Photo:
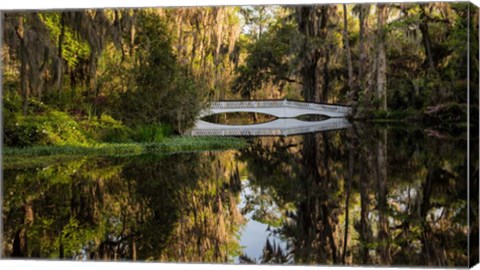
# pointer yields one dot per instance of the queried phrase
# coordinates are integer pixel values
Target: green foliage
(268, 60)
(151, 133)
(50, 128)
(176, 144)
(44, 125)
(168, 145)
(69, 100)
(165, 92)
(74, 237)
(73, 49)
(106, 129)
(412, 82)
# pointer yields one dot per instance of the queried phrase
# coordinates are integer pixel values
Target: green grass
(168, 145)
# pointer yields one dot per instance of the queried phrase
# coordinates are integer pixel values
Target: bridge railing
(277, 103)
(245, 104)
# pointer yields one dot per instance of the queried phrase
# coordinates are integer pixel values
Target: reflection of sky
(254, 235)
(253, 238)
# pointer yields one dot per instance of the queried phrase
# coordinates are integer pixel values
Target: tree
(352, 91)
(165, 93)
(268, 61)
(312, 23)
(381, 60)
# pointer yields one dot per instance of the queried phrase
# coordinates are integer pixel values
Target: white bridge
(284, 110)
(279, 108)
(278, 127)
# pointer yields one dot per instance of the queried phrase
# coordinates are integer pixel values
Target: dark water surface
(363, 196)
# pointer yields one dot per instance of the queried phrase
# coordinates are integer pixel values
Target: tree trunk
(381, 169)
(24, 82)
(364, 9)
(326, 78)
(312, 23)
(193, 52)
(309, 72)
(61, 249)
(381, 61)
(352, 91)
(351, 162)
(427, 44)
(20, 243)
(25, 91)
(133, 245)
(364, 221)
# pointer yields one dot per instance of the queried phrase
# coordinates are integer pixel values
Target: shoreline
(169, 145)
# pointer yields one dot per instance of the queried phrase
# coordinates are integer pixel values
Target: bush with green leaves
(106, 129)
(49, 128)
(151, 133)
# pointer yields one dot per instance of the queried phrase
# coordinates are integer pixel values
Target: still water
(366, 195)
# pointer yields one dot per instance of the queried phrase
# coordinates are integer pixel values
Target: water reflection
(239, 118)
(180, 208)
(362, 196)
(257, 233)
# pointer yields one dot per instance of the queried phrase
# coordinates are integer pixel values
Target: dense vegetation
(104, 73)
(80, 77)
(379, 58)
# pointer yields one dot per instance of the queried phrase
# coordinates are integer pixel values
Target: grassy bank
(168, 145)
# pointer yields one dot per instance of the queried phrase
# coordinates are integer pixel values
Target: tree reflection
(180, 208)
(384, 196)
(369, 195)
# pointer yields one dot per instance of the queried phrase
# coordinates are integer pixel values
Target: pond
(363, 195)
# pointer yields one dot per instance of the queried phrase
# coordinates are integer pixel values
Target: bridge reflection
(278, 127)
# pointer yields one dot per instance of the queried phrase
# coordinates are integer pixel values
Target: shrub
(49, 128)
(106, 129)
(151, 133)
